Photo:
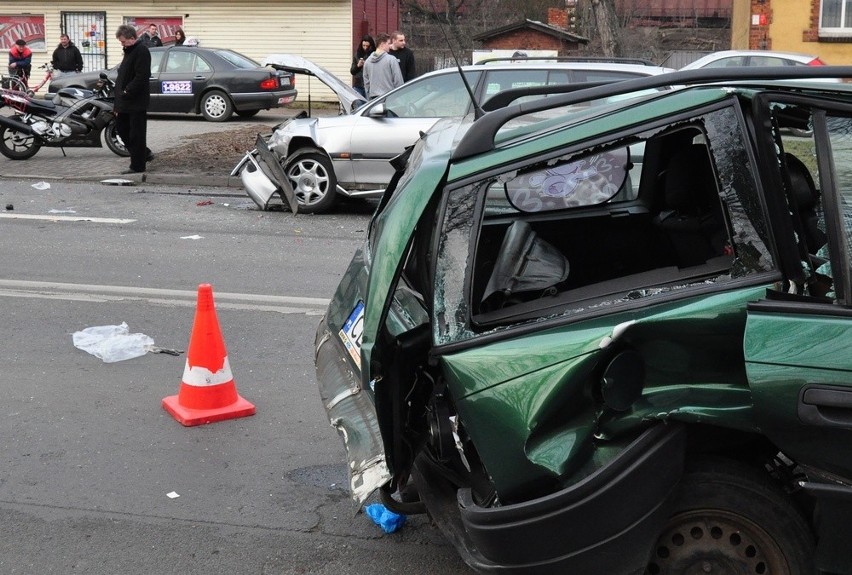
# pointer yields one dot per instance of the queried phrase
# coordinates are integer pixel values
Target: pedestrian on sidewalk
(381, 71)
(132, 97)
(404, 55)
(21, 61)
(151, 38)
(66, 58)
(366, 47)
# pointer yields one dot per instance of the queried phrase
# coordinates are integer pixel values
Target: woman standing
(180, 37)
(365, 48)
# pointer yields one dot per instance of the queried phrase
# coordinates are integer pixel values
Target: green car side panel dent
(538, 393)
(789, 354)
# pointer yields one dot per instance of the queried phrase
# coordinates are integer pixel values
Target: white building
(320, 30)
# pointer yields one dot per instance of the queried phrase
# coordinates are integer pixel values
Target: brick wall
(526, 40)
(557, 18)
(812, 32)
(758, 35)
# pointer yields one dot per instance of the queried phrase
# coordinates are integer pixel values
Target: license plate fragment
(351, 333)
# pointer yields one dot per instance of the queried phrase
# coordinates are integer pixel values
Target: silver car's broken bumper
(257, 185)
(262, 176)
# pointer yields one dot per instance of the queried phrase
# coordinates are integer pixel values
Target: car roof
(638, 69)
(712, 57)
(347, 94)
(480, 138)
(184, 47)
(592, 59)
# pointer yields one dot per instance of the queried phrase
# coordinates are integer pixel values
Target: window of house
(835, 18)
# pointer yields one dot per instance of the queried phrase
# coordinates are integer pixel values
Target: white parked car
(311, 161)
(737, 58)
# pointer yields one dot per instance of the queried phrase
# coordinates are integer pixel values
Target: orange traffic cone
(207, 390)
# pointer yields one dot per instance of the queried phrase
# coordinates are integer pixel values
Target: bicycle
(14, 83)
(48, 76)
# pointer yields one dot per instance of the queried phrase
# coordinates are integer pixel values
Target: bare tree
(606, 26)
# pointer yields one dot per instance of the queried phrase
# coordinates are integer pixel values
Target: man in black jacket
(132, 97)
(404, 55)
(66, 57)
(151, 38)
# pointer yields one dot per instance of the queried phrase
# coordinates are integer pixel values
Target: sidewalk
(165, 131)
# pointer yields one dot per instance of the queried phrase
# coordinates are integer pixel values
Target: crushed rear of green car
(612, 338)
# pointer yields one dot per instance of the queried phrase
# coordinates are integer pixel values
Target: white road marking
(55, 218)
(162, 297)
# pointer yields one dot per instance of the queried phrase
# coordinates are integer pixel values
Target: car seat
(691, 217)
(527, 267)
(807, 202)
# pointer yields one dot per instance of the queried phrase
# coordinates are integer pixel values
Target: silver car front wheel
(313, 180)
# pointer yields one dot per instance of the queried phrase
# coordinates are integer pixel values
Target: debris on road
(112, 343)
(385, 518)
(117, 182)
(156, 349)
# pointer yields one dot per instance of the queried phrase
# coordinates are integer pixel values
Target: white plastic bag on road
(112, 343)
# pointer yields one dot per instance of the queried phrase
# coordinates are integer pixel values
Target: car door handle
(826, 406)
(200, 77)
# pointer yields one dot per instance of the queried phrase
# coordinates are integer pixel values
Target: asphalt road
(88, 457)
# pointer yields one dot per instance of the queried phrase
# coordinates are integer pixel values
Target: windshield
(237, 60)
(437, 96)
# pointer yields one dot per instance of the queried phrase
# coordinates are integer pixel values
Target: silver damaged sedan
(309, 162)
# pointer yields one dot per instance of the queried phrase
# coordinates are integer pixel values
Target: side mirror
(378, 111)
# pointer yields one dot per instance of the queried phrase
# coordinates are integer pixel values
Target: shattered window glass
(840, 134)
(450, 307)
(738, 191)
(675, 208)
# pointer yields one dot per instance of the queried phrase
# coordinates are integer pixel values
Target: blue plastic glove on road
(384, 517)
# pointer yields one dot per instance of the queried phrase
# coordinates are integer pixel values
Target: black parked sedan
(212, 82)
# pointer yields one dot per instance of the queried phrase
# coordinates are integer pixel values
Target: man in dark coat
(404, 55)
(132, 97)
(151, 38)
(67, 57)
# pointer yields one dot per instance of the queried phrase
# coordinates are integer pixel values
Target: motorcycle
(73, 117)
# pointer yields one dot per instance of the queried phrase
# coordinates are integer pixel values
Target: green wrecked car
(613, 338)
